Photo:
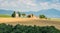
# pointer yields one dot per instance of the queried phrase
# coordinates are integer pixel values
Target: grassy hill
(4, 15)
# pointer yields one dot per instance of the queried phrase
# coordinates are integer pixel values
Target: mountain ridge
(49, 13)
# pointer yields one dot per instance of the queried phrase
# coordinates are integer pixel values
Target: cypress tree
(14, 14)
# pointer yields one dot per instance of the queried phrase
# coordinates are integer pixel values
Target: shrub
(23, 14)
(4, 28)
(42, 16)
(29, 16)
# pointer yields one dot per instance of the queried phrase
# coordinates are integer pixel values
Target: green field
(4, 15)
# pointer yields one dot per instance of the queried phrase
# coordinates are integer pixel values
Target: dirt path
(26, 21)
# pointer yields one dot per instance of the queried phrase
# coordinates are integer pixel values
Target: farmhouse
(32, 16)
(17, 15)
(28, 16)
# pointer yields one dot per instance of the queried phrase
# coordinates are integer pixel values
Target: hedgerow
(6, 28)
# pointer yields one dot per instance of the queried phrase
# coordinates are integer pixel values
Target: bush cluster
(6, 28)
(42, 16)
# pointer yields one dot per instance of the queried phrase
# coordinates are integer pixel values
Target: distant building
(31, 16)
(28, 16)
(17, 15)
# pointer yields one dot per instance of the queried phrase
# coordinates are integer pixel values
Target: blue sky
(29, 5)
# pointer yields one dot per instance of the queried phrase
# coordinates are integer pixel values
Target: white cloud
(45, 5)
(28, 5)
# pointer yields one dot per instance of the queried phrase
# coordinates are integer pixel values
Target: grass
(55, 19)
(4, 15)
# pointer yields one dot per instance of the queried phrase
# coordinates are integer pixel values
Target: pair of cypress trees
(14, 14)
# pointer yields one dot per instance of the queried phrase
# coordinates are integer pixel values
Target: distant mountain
(49, 13)
(53, 13)
(5, 11)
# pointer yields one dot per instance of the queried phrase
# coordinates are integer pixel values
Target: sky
(29, 5)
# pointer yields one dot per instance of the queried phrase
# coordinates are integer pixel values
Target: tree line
(6, 28)
(23, 14)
